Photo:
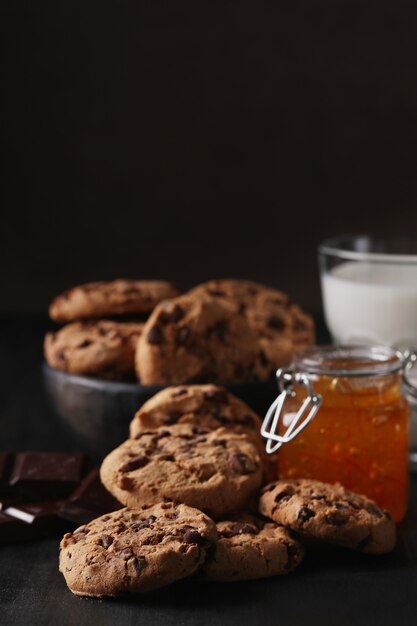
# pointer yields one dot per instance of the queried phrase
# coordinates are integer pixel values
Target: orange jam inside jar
(359, 436)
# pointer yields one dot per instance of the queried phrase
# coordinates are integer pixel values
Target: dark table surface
(334, 587)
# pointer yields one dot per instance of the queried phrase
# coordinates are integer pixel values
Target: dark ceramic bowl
(98, 412)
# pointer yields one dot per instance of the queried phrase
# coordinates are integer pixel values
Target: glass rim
(373, 360)
(334, 247)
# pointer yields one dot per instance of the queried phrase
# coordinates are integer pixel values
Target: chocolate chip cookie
(191, 340)
(282, 327)
(215, 471)
(250, 547)
(206, 406)
(103, 348)
(111, 298)
(134, 550)
(329, 513)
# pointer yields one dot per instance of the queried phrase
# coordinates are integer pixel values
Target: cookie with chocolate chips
(103, 348)
(281, 326)
(250, 547)
(329, 513)
(215, 471)
(134, 550)
(207, 406)
(110, 298)
(191, 340)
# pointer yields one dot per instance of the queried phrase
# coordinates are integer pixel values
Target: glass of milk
(369, 289)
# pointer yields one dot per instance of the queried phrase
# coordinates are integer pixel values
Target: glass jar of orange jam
(341, 417)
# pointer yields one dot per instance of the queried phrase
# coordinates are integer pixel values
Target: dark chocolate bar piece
(30, 521)
(88, 501)
(40, 475)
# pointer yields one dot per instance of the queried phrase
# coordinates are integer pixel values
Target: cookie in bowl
(109, 299)
(191, 340)
(102, 348)
(281, 326)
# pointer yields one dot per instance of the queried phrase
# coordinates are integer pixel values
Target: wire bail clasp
(308, 409)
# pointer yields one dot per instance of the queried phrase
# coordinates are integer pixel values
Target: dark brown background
(195, 139)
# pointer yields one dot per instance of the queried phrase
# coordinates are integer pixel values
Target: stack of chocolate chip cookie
(223, 331)
(192, 479)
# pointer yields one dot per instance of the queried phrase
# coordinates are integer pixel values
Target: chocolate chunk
(373, 510)
(242, 528)
(173, 417)
(219, 396)
(182, 335)
(155, 335)
(138, 461)
(139, 563)
(304, 514)
(200, 431)
(336, 518)
(166, 457)
(220, 442)
(216, 292)
(106, 541)
(241, 463)
(30, 521)
(219, 330)
(318, 496)
(144, 523)
(284, 496)
(46, 475)
(85, 343)
(88, 501)
(178, 392)
(276, 323)
(193, 536)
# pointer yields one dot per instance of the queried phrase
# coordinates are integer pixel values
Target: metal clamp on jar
(341, 416)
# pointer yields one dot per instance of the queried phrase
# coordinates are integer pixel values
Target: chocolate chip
(219, 330)
(155, 335)
(178, 392)
(135, 463)
(336, 518)
(220, 442)
(162, 434)
(242, 528)
(241, 463)
(139, 563)
(218, 396)
(166, 457)
(216, 292)
(318, 496)
(172, 417)
(143, 524)
(304, 514)
(193, 536)
(373, 510)
(102, 331)
(299, 325)
(363, 543)
(154, 539)
(174, 315)
(284, 496)
(106, 541)
(182, 335)
(340, 506)
(276, 323)
(199, 431)
(223, 419)
(200, 440)
(242, 308)
(85, 343)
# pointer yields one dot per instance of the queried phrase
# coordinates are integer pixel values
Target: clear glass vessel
(359, 429)
(369, 289)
